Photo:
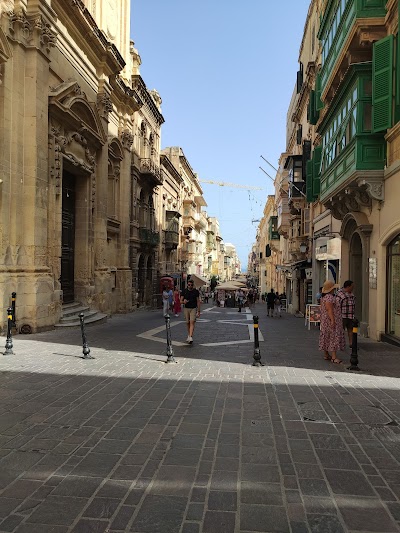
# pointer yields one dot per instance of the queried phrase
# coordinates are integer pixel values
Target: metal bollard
(354, 348)
(85, 348)
(9, 343)
(170, 352)
(13, 298)
(257, 354)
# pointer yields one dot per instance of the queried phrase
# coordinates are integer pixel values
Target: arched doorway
(393, 288)
(356, 271)
(141, 280)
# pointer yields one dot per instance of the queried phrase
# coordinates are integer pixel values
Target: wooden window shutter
(309, 181)
(318, 102)
(382, 84)
(316, 171)
(299, 79)
(299, 134)
(397, 73)
(312, 113)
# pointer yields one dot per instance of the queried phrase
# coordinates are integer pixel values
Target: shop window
(393, 290)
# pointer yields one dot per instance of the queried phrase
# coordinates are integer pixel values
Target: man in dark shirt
(270, 303)
(191, 300)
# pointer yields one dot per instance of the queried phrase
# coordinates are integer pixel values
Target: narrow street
(211, 444)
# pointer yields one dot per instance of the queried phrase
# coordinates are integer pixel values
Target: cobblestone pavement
(210, 444)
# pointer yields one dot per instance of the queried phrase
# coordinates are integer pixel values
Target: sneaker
(190, 340)
(176, 314)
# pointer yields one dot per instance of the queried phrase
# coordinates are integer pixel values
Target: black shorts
(347, 323)
(270, 306)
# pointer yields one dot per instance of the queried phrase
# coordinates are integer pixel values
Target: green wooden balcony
(149, 237)
(348, 144)
(337, 28)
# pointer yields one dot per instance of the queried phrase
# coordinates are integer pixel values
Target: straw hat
(328, 286)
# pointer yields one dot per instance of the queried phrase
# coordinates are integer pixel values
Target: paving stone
(101, 508)
(174, 481)
(57, 510)
(90, 526)
(372, 516)
(160, 514)
(260, 473)
(314, 487)
(339, 460)
(195, 512)
(218, 521)
(263, 518)
(77, 486)
(325, 524)
(261, 493)
(222, 501)
(191, 528)
(11, 522)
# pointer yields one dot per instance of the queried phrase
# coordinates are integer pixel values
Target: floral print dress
(331, 339)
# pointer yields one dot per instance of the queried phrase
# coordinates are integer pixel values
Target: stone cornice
(125, 94)
(139, 85)
(82, 26)
(167, 164)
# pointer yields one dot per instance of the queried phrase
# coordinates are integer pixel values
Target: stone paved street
(210, 444)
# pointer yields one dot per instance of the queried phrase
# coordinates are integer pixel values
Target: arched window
(142, 140)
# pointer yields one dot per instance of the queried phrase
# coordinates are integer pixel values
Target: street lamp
(303, 247)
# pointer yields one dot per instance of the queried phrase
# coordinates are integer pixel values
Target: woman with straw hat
(331, 336)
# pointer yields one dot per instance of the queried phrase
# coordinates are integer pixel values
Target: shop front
(393, 289)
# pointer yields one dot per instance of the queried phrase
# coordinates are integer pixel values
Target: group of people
(274, 303)
(337, 316)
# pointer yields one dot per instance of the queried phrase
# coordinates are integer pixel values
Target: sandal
(328, 358)
(336, 361)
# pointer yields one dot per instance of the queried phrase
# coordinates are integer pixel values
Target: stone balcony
(149, 237)
(149, 168)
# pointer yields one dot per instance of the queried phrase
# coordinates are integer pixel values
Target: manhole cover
(313, 412)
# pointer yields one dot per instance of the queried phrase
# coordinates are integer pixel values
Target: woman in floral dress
(331, 336)
(177, 301)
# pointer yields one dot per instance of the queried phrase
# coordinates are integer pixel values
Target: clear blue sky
(225, 70)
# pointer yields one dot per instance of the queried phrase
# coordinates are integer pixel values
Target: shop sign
(321, 249)
(334, 248)
(372, 273)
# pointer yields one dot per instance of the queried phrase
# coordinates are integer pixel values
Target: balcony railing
(149, 167)
(149, 237)
(171, 239)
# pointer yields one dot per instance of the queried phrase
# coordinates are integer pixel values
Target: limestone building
(79, 142)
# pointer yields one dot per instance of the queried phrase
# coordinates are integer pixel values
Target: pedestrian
(177, 301)
(171, 300)
(206, 296)
(331, 337)
(347, 307)
(240, 299)
(250, 297)
(270, 303)
(278, 305)
(165, 300)
(191, 300)
(318, 296)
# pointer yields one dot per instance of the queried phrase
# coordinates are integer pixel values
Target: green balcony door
(356, 272)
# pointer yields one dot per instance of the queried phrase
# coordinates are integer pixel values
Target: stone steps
(71, 312)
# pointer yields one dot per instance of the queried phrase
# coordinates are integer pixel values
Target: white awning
(198, 280)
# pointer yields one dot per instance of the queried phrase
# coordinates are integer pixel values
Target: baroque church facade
(80, 152)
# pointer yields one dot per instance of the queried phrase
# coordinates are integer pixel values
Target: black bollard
(85, 348)
(9, 343)
(13, 298)
(257, 354)
(354, 348)
(170, 352)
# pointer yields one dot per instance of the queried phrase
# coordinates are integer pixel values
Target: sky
(225, 70)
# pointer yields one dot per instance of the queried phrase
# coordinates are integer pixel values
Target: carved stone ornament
(104, 104)
(374, 187)
(32, 30)
(127, 139)
(351, 199)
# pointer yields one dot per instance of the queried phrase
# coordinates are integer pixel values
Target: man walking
(270, 303)
(348, 307)
(240, 299)
(191, 300)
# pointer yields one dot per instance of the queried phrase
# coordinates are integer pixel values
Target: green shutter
(382, 84)
(309, 181)
(318, 102)
(312, 110)
(316, 171)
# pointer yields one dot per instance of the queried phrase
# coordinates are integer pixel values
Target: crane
(225, 184)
